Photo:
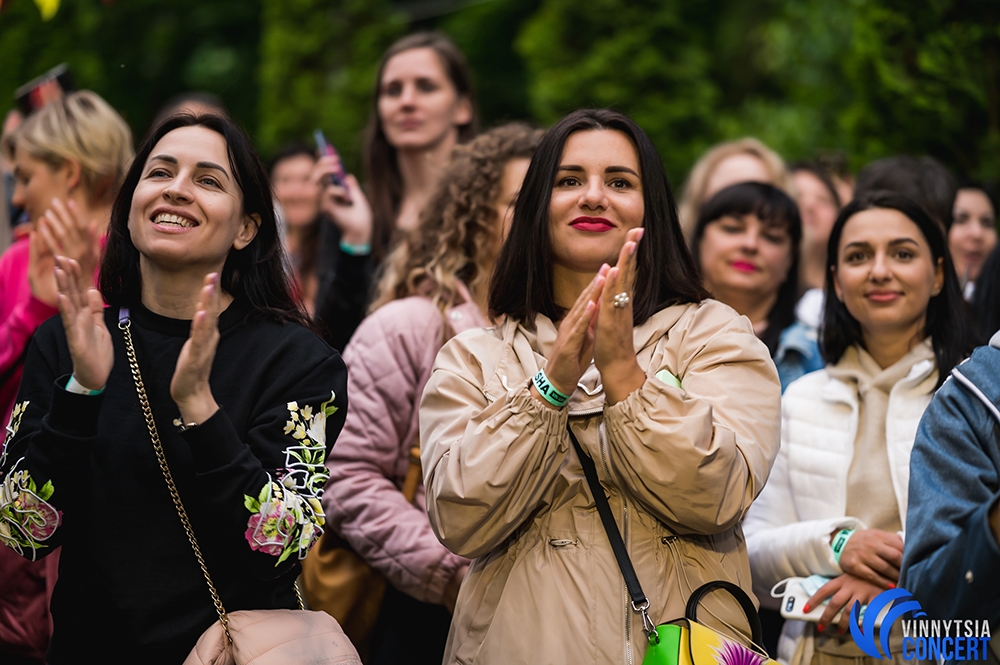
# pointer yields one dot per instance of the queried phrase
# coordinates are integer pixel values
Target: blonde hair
(83, 128)
(697, 182)
(458, 234)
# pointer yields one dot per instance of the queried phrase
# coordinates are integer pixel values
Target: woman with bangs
(746, 247)
(834, 508)
(604, 331)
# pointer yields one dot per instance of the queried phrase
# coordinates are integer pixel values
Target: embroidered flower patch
(287, 517)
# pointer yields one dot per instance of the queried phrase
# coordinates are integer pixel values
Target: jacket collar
(995, 340)
(464, 314)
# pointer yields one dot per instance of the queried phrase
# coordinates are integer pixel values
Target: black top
(250, 478)
(345, 287)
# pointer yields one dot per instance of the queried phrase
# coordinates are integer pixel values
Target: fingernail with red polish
(892, 586)
(821, 627)
(840, 630)
(805, 608)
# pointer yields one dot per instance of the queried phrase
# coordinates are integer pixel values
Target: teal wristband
(840, 542)
(73, 386)
(548, 391)
(355, 250)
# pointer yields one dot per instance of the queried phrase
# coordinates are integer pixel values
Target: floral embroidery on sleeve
(27, 520)
(287, 516)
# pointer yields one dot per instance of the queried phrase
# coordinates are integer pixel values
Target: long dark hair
(947, 322)
(383, 181)
(521, 284)
(986, 298)
(773, 208)
(255, 274)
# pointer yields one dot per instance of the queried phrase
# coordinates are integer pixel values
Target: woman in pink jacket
(434, 287)
(69, 158)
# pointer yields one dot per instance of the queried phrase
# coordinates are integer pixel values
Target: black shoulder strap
(610, 526)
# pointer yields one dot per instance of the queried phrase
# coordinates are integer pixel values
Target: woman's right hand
(574, 345)
(345, 204)
(87, 335)
(873, 555)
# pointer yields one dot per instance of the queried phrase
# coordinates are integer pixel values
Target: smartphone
(39, 91)
(327, 150)
(795, 592)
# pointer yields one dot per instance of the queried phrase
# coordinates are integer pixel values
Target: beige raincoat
(680, 466)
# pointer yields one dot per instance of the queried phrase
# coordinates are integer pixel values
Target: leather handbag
(246, 637)
(337, 580)
(682, 641)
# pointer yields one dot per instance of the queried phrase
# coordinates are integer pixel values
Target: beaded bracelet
(548, 391)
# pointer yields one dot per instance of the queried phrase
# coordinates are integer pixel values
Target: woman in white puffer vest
(835, 503)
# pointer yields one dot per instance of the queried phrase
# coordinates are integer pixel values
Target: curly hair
(458, 235)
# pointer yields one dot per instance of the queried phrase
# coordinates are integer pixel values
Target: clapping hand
(87, 335)
(599, 326)
(614, 348)
(61, 231)
(189, 386)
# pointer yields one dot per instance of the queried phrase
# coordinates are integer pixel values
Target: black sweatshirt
(250, 478)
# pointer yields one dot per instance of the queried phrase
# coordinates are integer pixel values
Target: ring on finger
(620, 300)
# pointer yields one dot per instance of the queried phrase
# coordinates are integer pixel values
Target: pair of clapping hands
(871, 560)
(90, 347)
(598, 327)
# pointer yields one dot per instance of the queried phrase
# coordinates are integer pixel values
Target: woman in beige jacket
(671, 394)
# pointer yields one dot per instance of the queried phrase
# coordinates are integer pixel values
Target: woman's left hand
(189, 387)
(842, 591)
(614, 351)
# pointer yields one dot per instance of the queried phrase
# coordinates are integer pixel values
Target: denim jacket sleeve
(952, 560)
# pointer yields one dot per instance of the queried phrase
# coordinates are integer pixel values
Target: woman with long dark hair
(605, 330)
(422, 108)
(835, 505)
(746, 248)
(245, 400)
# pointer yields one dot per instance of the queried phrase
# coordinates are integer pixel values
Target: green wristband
(548, 391)
(840, 542)
(355, 250)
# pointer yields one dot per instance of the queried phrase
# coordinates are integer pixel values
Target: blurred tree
(138, 54)
(318, 66)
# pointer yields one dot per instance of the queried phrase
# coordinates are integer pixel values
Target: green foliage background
(865, 78)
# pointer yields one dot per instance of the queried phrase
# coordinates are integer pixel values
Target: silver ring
(621, 300)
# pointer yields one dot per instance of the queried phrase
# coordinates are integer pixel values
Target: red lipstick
(744, 266)
(592, 224)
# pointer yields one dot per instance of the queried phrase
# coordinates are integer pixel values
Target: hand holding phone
(325, 149)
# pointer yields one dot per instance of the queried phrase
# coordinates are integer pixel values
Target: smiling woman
(835, 505)
(604, 331)
(244, 398)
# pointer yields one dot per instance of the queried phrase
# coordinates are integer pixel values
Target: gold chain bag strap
(265, 637)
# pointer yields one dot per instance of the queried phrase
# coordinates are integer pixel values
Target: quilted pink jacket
(389, 359)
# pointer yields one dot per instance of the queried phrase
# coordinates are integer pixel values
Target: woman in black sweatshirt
(245, 398)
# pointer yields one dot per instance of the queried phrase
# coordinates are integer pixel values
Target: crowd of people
(397, 386)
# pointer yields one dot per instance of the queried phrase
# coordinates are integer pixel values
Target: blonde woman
(435, 286)
(69, 158)
(745, 160)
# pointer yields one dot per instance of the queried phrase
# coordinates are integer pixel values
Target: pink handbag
(247, 637)
(274, 637)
